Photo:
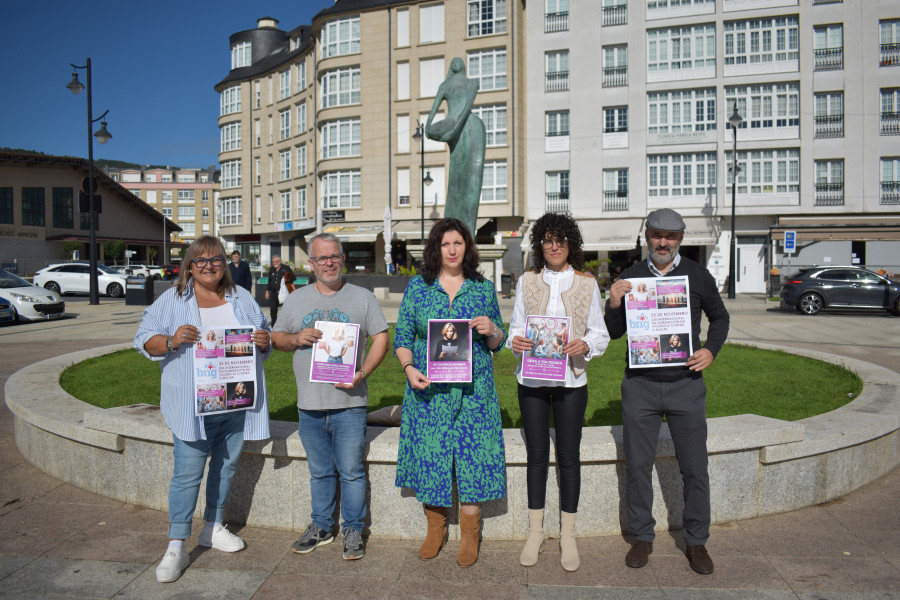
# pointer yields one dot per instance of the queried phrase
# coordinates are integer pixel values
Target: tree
(154, 251)
(70, 247)
(114, 250)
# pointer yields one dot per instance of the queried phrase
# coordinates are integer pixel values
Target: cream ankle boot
(569, 557)
(532, 548)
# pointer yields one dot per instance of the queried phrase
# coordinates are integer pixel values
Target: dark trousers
(273, 311)
(683, 403)
(568, 405)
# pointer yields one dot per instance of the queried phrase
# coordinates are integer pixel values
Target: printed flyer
(546, 360)
(224, 371)
(449, 351)
(658, 314)
(334, 356)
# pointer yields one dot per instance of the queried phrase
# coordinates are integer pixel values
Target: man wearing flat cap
(676, 392)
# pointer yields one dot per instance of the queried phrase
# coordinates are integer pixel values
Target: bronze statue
(464, 133)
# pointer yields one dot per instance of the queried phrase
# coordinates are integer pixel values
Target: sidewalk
(61, 542)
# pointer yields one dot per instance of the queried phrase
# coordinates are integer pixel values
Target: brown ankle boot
(468, 539)
(436, 536)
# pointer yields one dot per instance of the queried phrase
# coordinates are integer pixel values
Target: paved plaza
(57, 541)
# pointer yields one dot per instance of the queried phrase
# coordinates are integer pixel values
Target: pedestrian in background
(240, 271)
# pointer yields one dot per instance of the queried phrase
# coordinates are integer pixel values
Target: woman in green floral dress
(450, 428)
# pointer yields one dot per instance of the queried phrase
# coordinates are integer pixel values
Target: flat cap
(665, 219)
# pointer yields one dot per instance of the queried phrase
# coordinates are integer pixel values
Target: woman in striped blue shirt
(203, 298)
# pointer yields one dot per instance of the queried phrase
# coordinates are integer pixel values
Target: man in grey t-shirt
(332, 417)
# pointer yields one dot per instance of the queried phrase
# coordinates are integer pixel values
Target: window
(230, 137)
(682, 111)
(206, 229)
(257, 93)
(257, 129)
(766, 43)
(431, 23)
(557, 123)
(284, 160)
(165, 211)
(231, 211)
(615, 66)
(166, 178)
(301, 75)
(231, 174)
(301, 118)
(403, 81)
(889, 34)
(494, 186)
(766, 107)
(486, 17)
(615, 120)
(829, 183)
(768, 172)
(230, 100)
(615, 12)
(402, 27)
(271, 130)
(151, 196)
(33, 206)
(340, 87)
(186, 177)
(6, 206)
(301, 160)
(681, 52)
(284, 84)
(166, 196)
(890, 111)
(890, 181)
(556, 199)
(341, 138)
(488, 67)
(341, 189)
(204, 213)
(240, 55)
(556, 16)
(137, 193)
(285, 212)
(284, 124)
(188, 230)
(150, 177)
(431, 74)
(494, 118)
(63, 208)
(681, 175)
(403, 134)
(615, 189)
(830, 115)
(271, 169)
(205, 195)
(301, 203)
(186, 212)
(556, 71)
(402, 187)
(185, 196)
(828, 42)
(258, 172)
(341, 36)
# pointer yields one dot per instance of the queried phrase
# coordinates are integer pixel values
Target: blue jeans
(223, 444)
(335, 441)
(335, 359)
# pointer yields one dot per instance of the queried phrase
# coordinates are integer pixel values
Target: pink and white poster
(334, 356)
(546, 360)
(449, 351)
(224, 371)
(658, 316)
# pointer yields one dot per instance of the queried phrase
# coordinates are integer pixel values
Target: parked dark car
(6, 312)
(815, 288)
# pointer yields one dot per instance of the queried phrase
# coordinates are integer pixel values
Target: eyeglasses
(323, 260)
(548, 243)
(215, 262)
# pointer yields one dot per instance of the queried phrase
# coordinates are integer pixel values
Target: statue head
(457, 66)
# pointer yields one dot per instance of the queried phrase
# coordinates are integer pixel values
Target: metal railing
(829, 126)
(829, 59)
(615, 15)
(890, 192)
(615, 76)
(830, 194)
(615, 200)
(890, 55)
(556, 22)
(890, 123)
(557, 81)
(556, 203)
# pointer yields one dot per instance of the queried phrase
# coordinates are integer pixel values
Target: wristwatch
(496, 332)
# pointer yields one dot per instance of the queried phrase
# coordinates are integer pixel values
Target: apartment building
(317, 126)
(185, 196)
(628, 111)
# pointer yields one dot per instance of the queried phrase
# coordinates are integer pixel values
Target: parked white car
(136, 270)
(71, 278)
(29, 302)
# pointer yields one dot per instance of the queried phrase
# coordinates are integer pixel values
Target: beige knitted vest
(576, 301)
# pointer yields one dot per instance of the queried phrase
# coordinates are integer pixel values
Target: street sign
(84, 203)
(790, 242)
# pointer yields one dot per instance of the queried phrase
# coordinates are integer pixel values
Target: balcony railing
(890, 55)
(556, 22)
(829, 59)
(615, 76)
(890, 123)
(615, 200)
(557, 133)
(830, 126)
(890, 192)
(830, 194)
(615, 15)
(826, 2)
(557, 81)
(557, 203)
(618, 129)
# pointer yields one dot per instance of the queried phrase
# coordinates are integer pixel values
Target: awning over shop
(610, 234)
(412, 230)
(702, 231)
(364, 231)
(838, 229)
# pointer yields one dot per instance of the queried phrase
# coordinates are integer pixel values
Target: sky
(154, 66)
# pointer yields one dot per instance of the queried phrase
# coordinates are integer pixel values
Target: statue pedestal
(491, 256)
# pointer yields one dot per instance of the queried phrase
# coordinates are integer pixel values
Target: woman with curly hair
(556, 287)
(450, 428)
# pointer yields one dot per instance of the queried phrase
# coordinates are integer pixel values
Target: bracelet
(408, 363)
(365, 375)
(496, 332)
(169, 347)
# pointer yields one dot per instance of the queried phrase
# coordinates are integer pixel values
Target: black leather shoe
(639, 554)
(699, 559)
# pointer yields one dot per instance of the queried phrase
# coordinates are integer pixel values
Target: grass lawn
(741, 380)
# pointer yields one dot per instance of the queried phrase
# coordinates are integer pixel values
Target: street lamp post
(419, 136)
(735, 121)
(102, 136)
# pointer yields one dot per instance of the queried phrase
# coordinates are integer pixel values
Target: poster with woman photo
(546, 360)
(224, 371)
(658, 318)
(239, 394)
(449, 351)
(334, 356)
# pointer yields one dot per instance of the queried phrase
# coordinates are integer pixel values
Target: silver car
(30, 302)
(70, 278)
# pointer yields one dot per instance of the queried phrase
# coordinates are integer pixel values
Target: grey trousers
(683, 403)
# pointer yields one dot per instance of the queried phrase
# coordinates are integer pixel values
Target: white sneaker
(220, 538)
(172, 565)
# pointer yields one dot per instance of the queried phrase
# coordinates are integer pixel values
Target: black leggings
(568, 406)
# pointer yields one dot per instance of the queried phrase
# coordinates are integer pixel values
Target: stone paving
(57, 541)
